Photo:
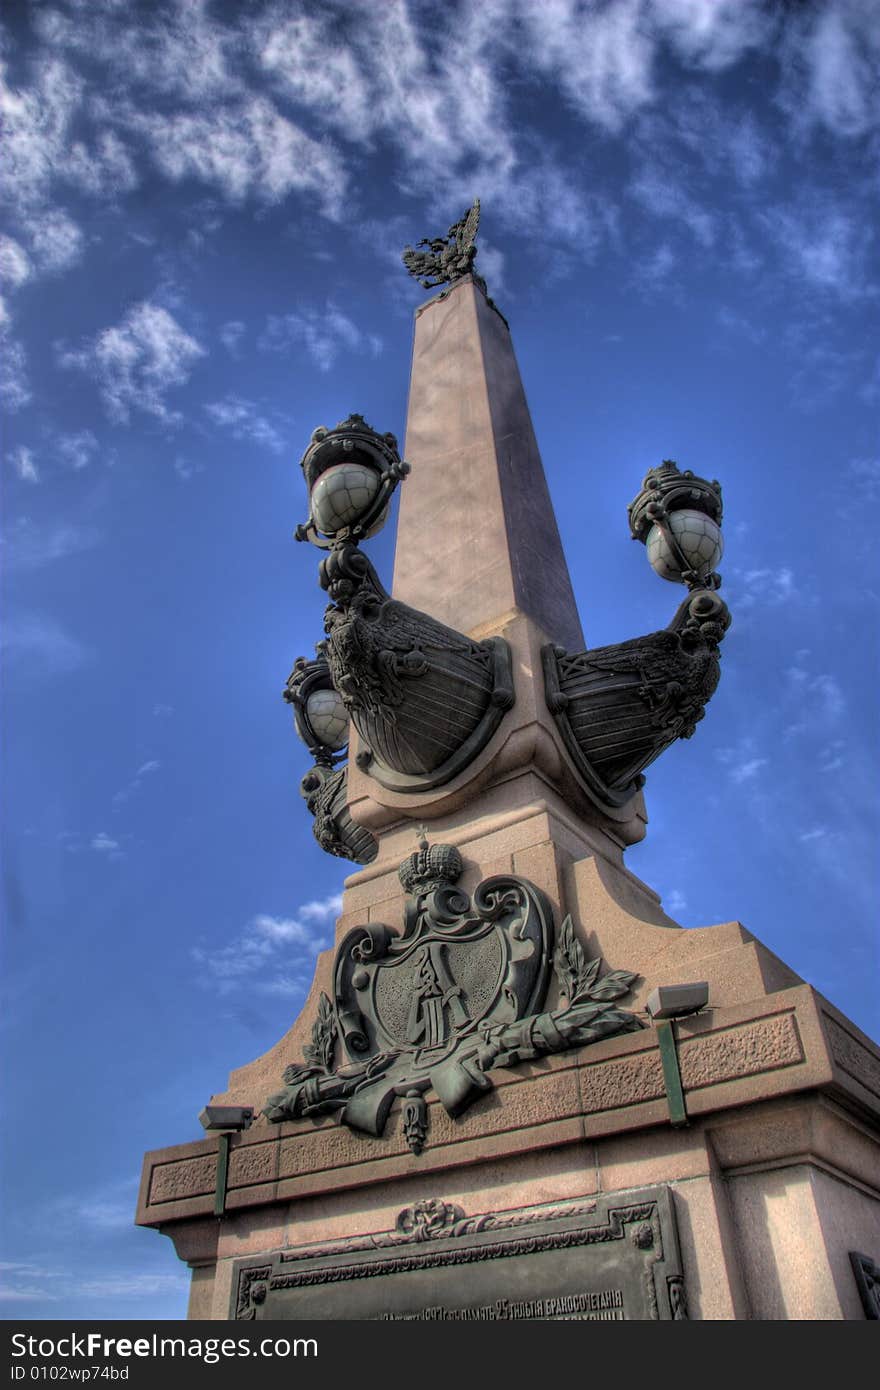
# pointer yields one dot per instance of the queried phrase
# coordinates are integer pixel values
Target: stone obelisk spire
(477, 537)
(478, 549)
(509, 1018)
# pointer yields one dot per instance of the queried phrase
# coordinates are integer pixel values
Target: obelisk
(477, 536)
(515, 1070)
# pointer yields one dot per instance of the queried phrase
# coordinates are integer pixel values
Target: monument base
(761, 1201)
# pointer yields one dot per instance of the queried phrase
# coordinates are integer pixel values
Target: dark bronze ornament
(321, 721)
(323, 1044)
(424, 698)
(350, 472)
(867, 1276)
(458, 993)
(666, 498)
(326, 795)
(308, 679)
(447, 258)
(619, 707)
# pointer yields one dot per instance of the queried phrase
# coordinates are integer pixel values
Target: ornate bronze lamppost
(426, 700)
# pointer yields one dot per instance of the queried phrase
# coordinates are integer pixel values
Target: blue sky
(206, 208)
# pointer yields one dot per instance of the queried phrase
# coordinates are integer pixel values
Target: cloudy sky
(206, 208)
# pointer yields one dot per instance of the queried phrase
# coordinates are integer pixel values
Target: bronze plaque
(609, 1259)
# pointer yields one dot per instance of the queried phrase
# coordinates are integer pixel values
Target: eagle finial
(447, 258)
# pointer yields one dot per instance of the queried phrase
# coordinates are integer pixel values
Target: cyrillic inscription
(585, 1307)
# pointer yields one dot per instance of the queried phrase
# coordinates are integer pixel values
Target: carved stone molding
(853, 1057)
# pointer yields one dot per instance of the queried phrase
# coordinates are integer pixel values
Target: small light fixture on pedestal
(224, 1120)
(664, 1004)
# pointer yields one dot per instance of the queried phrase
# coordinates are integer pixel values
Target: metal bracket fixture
(222, 1174)
(678, 1116)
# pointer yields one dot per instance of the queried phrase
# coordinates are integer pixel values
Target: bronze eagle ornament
(446, 258)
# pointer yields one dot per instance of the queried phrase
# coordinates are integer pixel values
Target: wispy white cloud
(764, 586)
(230, 335)
(742, 761)
(41, 157)
(740, 325)
(186, 468)
(602, 58)
(834, 67)
(27, 545)
(38, 645)
(77, 450)
(297, 52)
(272, 953)
(323, 333)
(134, 1284)
(103, 843)
(864, 474)
(25, 464)
(711, 34)
(138, 361)
(178, 50)
(831, 757)
(245, 421)
(243, 151)
(15, 391)
(25, 1281)
(56, 241)
(819, 832)
(674, 901)
(29, 1282)
(36, 121)
(744, 772)
(321, 909)
(817, 700)
(825, 363)
(824, 245)
(267, 105)
(666, 198)
(15, 264)
(84, 1215)
(106, 169)
(654, 269)
(134, 786)
(697, 135)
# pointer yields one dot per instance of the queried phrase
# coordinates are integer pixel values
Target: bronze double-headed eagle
(446, 258)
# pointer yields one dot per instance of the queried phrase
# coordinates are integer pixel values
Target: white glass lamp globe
(699, 539)
(329, 718)
(342, 494)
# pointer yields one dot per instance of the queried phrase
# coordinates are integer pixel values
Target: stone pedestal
(774, 1181)
(753, 1207)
